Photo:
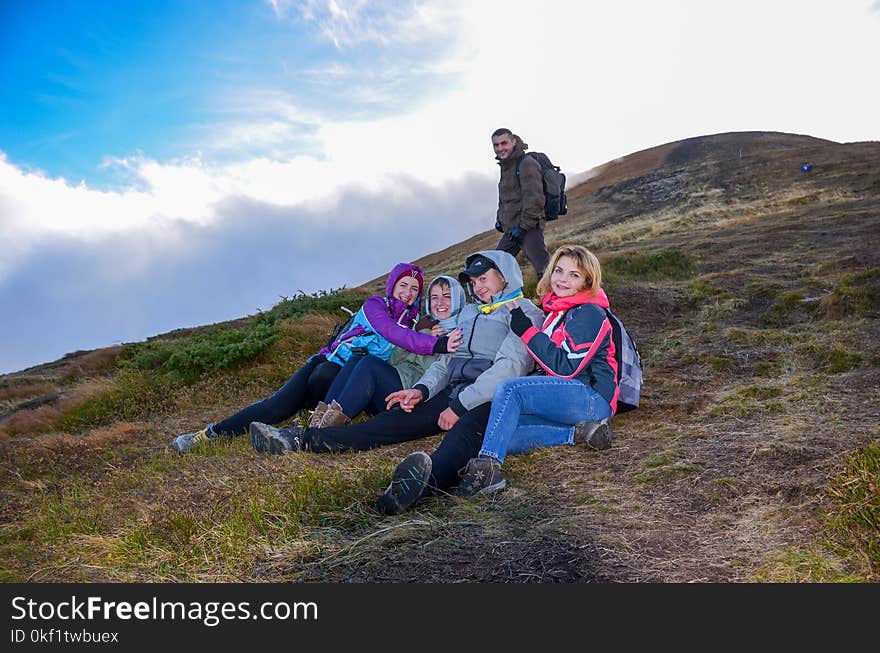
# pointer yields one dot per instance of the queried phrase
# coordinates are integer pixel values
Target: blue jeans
(539, 411)
(363, 384)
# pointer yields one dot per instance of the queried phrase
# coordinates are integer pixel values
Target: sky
(170, 163)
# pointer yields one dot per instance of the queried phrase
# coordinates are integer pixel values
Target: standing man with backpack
(521, 200)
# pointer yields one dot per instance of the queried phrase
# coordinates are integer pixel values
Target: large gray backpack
(629, 365)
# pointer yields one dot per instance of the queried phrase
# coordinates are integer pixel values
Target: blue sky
(87, 81)
(173, 163)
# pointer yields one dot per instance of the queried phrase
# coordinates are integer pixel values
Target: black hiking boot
(407, 484)
(596, 435)
(481, 476)
(268, 439)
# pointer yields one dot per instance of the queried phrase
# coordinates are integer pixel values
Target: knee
(324, 373)
(506, 390)
(370, 364)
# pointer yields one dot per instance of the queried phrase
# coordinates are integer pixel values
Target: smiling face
(503, 145)
(567, 278)
(406, 290)
(487, 284)
(440, 297)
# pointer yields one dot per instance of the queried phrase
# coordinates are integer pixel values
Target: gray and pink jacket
(383, 323)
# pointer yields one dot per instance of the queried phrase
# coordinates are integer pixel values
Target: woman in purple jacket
(381, 324)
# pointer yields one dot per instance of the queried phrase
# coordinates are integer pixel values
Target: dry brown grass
(720, 476)
(48, 417)
(93, 362)
(12, 394)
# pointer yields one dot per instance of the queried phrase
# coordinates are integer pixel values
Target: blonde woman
(575, 398)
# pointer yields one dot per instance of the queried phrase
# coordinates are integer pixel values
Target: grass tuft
(855, 516)
(670, 264)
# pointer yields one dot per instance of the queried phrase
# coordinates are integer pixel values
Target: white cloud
(586, 82)
(349, 23)
(125, 286)
(607, 80)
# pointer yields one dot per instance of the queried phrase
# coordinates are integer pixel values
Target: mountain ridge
(753, 292)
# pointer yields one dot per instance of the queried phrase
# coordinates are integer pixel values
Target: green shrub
(760, 392)
(855, 516)
(322, 301)
(789, 308)
(187, 360)
(834, 359)
(134, 395)
(720, 364)
(219, 348)
(856, 295)
(669, 264)
(699, 291)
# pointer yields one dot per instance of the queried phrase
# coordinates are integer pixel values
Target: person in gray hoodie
(453, 394)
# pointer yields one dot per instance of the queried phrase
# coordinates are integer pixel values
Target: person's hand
(426, 322)
(406, 398)
(438, 330)
(518, 233)
(498, 226)
(447, 419)
(454, 341)
(519, 322)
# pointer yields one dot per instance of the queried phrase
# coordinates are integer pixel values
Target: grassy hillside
(753, 292)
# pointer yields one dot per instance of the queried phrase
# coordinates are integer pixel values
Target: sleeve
(436, 377)
(585, 331)
(511, 361)
(377, 315)
(531, 185)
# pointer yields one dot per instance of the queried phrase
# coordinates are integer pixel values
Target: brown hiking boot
(318, 415)
(334, 416)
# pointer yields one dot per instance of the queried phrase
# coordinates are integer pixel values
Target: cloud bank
(70, 293)
(379, 151)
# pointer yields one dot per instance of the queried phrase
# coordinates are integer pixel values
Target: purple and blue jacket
(383, 323)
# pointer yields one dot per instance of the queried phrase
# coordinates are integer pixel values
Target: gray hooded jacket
(490, 352)
(411, 366)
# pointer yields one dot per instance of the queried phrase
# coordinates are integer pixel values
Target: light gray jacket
(490, 352)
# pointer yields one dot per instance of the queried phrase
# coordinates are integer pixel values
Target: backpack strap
(519, 162)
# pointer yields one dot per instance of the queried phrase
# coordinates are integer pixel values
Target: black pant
(532, 246)
(363, 384)
(307, 386)
(461, 443)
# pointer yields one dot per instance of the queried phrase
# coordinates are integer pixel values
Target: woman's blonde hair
(586, 261)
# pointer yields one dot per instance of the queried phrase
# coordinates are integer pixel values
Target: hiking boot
(318, 415)
(407, 484)
(268, 439)
(481, 476)
(596, 435)
(187, 441)
(334, 416)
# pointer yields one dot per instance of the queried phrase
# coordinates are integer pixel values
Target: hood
(397, 307)
(509, 269)
(458, 301)
(404, 269)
